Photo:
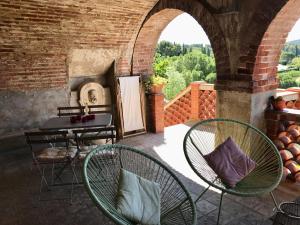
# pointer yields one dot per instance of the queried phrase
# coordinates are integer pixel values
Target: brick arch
(261, 50)
(159, 17)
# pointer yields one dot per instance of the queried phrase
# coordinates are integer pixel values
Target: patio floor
(19, 186)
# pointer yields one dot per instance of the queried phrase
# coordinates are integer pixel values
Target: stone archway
(260, 52)
(159, 17)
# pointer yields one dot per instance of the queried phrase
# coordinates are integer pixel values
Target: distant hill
(295, 42)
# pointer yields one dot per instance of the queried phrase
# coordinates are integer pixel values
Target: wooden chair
(70, 111)
(87, 139)
(51, 148)
(98, 109)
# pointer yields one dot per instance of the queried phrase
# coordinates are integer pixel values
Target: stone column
(246, 107)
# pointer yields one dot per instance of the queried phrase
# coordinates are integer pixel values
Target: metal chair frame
(50, 138)
(101, 177)
(206, 135)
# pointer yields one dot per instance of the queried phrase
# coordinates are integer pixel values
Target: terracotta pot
(156, 89)
(279, 144)
(290, 104)
(279, 104)
(293, 126)
(294, 167)
(297, 104)
(287, 163)
(286, 140)
(294, 149)
(285, 155)
(283, 134)
(286, 172)
(294, 133)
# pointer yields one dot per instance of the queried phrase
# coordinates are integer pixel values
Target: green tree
(289, 79)
(176, 83)
(160, 65)
(211, 78)
(286, 57)
(296, 62)
(166, 48)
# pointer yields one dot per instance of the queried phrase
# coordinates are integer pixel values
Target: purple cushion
(229, 162)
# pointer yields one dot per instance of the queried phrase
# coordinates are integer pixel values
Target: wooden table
(61, 123)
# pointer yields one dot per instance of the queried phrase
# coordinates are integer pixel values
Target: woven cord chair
(206, 135)
(101, 177)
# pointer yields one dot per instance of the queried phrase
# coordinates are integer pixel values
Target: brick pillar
(157, 112)
(195, 86)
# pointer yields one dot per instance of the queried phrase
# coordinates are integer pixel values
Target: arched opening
(185, 59)
(143, 54)
(183, 55)
(261, 50)
(289, 62)
(156, 21)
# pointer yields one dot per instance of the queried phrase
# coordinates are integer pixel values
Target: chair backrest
(96, 133)
(98, 109)
(70, 111)
(206, 135)
(46, 137)
(101, 172)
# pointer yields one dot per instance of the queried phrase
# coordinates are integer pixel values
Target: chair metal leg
(41, 184)
(275, 202)
(220, 206)
(52, 174)
(202, 193)
(74, 177)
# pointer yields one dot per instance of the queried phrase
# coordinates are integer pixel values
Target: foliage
(175, 84)
(165, 48)
(296, 62)
(154, 80)
(211, 78)
(160, 65)
(289, 79)
(183, 64)
(289, 52)
(188, 63)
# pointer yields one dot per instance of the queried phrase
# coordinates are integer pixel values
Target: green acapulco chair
(206, 135)
(101, 172)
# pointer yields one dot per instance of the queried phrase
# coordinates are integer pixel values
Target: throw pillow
(230, 163)
(138, 199)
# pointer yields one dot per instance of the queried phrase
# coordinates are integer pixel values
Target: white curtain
(131, 103)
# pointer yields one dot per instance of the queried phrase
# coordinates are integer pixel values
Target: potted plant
(155, 84)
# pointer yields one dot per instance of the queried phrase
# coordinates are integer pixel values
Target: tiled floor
(19, 185)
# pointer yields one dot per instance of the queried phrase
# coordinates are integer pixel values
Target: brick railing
(197, 101)
(178, 110)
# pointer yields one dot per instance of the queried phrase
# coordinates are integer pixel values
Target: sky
(295, 32)
(185, 29)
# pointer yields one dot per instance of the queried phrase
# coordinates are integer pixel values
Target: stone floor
(19, 186)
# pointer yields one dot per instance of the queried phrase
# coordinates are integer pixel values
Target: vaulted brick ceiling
(38, 36)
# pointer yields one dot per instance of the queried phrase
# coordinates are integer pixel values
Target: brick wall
(36, 36)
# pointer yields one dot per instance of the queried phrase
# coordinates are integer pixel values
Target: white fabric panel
(131, 103)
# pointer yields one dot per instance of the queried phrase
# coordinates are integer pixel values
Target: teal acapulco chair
(206, 135)
(101, 172)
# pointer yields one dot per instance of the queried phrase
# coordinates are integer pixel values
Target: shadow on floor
(19, 187)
